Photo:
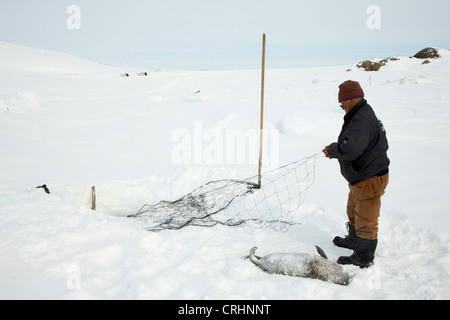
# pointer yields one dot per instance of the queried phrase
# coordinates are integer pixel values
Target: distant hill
(18, 59)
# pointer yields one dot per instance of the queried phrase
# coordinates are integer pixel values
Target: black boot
(363, 255)
(349, 241)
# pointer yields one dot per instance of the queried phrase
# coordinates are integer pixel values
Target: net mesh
(273, 204)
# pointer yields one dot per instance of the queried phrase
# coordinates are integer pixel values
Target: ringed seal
(302, 265)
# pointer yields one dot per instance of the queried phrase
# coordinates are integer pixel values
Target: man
(361, 150)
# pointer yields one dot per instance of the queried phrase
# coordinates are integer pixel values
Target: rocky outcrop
(427, 53)
(369, 65)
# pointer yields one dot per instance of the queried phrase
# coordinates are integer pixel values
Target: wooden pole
(261, 126)
(94, 206)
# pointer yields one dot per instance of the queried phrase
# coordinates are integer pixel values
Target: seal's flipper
(321, 252)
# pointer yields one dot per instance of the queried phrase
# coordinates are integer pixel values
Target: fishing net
(273, 204)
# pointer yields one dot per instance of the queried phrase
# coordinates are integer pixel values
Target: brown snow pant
(363, 206)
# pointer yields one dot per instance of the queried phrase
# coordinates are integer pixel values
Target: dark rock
(371, 66)
(427, 53)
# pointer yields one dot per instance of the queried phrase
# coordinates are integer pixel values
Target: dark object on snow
(427, 53)
(363, 255)
(349, 241)
(45, 188)
(369, 65)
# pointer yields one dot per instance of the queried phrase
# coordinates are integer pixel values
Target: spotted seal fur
(302, 265)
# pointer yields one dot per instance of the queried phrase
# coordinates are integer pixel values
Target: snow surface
(71, 124)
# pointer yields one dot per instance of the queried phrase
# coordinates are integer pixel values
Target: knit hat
(350, 90)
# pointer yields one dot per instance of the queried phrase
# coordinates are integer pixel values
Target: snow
(72, 124)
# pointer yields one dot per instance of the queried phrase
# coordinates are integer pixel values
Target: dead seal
(302, 265)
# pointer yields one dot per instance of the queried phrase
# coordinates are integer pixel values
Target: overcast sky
(218, 34)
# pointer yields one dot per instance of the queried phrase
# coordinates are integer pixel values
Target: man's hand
(325, 151)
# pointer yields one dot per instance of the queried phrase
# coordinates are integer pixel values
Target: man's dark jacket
(362, 145)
